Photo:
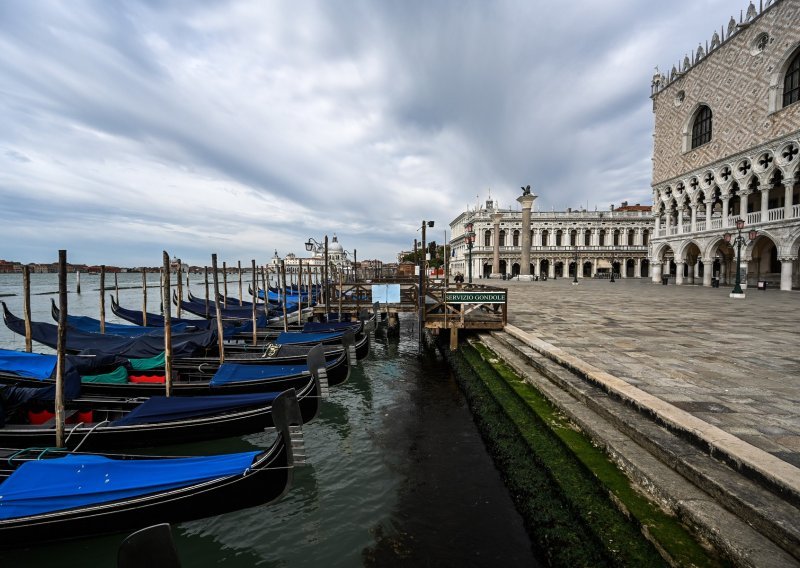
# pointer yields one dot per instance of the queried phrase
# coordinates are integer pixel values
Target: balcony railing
(752, 218)
(700, 226)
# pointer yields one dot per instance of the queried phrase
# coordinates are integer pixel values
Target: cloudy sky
(240, 127)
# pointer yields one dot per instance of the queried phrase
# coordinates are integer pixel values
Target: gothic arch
(775, 91)
(680, 250)
(659, 251)
(789, 246)
(686, 131)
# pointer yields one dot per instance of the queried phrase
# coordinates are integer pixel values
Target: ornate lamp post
(311, 244)
(738, 241)
(575, 273)
(469, 236)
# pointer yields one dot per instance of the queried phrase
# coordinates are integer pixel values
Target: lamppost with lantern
(469, 237)
(738, 240)
(312, 245)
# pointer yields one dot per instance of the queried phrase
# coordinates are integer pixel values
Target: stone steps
(740, 515)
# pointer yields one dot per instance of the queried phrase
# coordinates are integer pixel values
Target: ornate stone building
(726, 147)
(602, 241)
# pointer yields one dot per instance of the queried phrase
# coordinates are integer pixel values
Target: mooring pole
(116, 288)
(102, 298)
(255, 296)
(208, 315)
(218, 309)
(239, 263)
(78, 279)
(224, 284)
(61, 346)
(144, 296)
(299, 291)
(179, 283)
(167, 327)
(26, 305)
(283, 280)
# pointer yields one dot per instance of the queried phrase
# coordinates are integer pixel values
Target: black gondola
(55, 496)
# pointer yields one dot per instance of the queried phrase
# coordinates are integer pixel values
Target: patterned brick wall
(734, 83)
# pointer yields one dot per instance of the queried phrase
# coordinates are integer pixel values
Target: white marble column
(525, 264)
(743, 199)
(787, 197)
(680, 219)
(693, 227)
(764, 203)
(551, 269)
(708, 269)
(656, 272)
(786, 272)
(637, 268)
(725, 202)
(679, 272)
(709, 211)
(496, 218)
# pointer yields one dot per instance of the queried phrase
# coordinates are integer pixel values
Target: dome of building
(334, 246)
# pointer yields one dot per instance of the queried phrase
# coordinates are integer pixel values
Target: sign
(476, 297)
(386, 293)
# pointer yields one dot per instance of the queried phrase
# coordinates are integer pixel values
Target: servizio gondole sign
(476, 297)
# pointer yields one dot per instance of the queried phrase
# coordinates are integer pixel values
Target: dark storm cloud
(243, 126)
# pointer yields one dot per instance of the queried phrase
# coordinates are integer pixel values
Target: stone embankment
(739, 498)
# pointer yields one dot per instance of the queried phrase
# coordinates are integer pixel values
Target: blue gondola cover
(235, 372)
(168, 409)
(289, 337)
(57, 484)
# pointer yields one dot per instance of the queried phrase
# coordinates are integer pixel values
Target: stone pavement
(734, 364)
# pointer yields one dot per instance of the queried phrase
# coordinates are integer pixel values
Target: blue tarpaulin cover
(72, 481)
(30, 365)
(168, 409)
(92, 325)
(290, 337)
(237, 372)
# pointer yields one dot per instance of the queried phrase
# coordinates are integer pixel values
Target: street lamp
(311, 244)
(469, 237)
(738, 241)
(575, 273)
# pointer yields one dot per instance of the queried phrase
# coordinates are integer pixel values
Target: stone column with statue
(526, 200)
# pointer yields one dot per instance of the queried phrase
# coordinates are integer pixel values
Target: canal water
(397, 474)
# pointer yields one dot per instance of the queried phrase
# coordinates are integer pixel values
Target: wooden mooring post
(102, 298)
(144, 297)
(254, 292)
(239, 264)
(165, 298)
(224, 284)
(218, 308)
(61, 346)
(26, 305)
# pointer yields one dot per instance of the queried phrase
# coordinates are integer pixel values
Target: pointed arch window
(701, 129)
(791, 82)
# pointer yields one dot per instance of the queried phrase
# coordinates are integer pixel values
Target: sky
(244, 127)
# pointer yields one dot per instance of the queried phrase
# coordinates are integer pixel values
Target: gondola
(51, 496)
(195, 343)
(157, 320)
(92, 325)
(104, 424)
(225, 378)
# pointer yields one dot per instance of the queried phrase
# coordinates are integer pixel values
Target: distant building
(727, 147)
(338, 261)
(603, 241)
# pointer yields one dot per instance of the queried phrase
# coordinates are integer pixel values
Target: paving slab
(732, 362)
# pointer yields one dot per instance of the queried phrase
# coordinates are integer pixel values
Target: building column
(787, 199)
(658, 223)
(679, 272)
(551, 269)
(693, 227)
(692, 272)
(496, 218)
(680, 219)
(708, 272)
(537, 269)
(765, 202)
(786, 272)
(709, 210)
(525, 268)
(637, 268)
(623, 268)
(656, 272)
(725, 202)
(743, 198)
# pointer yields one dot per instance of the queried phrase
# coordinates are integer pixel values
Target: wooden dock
(447, 306)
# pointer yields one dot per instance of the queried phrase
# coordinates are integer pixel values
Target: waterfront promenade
(734, 364)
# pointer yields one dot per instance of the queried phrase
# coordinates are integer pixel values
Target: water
(398, 475)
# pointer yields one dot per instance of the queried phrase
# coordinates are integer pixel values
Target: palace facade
(599, 243)
(727, 148)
